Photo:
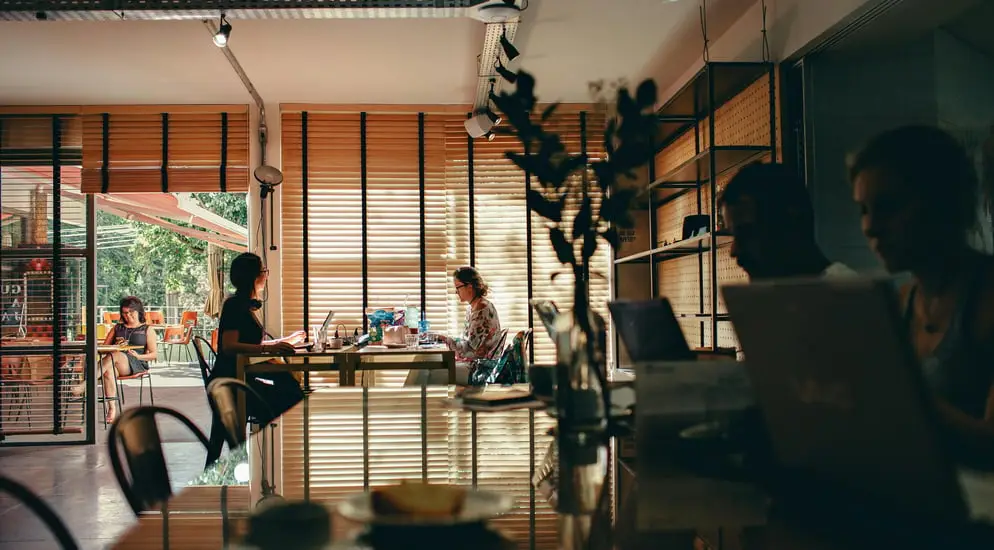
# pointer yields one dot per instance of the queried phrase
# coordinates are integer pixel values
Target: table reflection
(340, 441)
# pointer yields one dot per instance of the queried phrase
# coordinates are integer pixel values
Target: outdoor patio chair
(155, 318)
(141, 377)
(143, 474)
(178, 337)
(42, 510)
(188, 319)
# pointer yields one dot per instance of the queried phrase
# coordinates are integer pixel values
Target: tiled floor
(77, 481)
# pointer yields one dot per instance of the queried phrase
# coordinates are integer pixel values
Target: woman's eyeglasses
(461, 286)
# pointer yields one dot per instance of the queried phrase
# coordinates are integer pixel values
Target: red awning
(163, 209)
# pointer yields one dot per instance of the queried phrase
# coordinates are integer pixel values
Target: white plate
(479, 506)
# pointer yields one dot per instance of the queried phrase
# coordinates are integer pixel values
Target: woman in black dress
(131, 331)
(240, 331)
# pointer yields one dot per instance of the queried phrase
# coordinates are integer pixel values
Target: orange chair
(111, 318)
(188, 319)
(154, 318)
(214, 339)
(178, 336)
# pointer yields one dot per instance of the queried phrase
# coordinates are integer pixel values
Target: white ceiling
(565, 43)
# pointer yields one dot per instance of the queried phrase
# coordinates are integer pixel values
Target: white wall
(792, 26)
(848, 99)
(273, 304)
(965, 90)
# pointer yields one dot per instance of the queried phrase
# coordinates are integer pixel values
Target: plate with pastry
(416, 503)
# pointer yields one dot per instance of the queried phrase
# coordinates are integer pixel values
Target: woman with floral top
(481, 332)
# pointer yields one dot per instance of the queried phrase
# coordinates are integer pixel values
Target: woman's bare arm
(230, 344)
(109, 339)
(151, 347)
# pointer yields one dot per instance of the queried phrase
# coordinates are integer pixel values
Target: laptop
(820, 354)
(307, 344)
(650, 331)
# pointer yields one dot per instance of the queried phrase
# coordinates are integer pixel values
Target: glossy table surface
(343, 441)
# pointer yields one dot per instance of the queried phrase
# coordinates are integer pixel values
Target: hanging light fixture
(223, 33)
(510, 76)
(509, 50)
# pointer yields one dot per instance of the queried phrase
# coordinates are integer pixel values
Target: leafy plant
(565, 178)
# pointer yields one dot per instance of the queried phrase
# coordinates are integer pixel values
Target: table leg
(449, 358)
(347, 368)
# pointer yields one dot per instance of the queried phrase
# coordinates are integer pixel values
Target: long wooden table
(348, 361)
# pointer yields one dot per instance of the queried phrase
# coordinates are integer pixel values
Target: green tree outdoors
(162, 262)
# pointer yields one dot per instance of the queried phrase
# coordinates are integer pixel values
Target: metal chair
(42, 510)
(206, 357)
(143, 476)
(221, 394)
(141, 377)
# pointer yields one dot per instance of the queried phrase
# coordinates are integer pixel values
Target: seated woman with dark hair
(131, 331)
(240, 331)
(917, 190)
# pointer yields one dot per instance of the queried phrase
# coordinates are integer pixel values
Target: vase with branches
(585, 202)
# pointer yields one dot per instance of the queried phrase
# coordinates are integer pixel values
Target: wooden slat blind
(395, 144)
(458, 208)
(193, 152)
(334, 213)
(393, 153)
(544, 261)
(26, 139)
(500, 228)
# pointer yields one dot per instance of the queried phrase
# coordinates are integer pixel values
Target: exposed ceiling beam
(112, 10)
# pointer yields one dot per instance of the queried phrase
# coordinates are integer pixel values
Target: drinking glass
(411, 340)
(317, 337)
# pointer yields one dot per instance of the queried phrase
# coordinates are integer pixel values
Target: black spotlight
(494, 117)
(506, 73)
(509, 50)
(223, 33)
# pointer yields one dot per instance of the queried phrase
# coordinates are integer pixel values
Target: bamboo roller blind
(166, 148)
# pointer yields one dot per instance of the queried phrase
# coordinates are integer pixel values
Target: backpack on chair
(509, 368)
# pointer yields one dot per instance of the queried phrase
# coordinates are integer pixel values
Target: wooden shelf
(697, 170)
(693, 245)
(690, 104)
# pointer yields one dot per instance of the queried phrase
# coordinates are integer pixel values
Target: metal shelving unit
(692, 110)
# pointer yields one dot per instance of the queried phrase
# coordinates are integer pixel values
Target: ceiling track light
(223, 33)
(509, 50)
(510, 76)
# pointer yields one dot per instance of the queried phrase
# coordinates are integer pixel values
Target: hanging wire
(704, 28)
(766, 42)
